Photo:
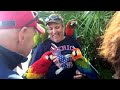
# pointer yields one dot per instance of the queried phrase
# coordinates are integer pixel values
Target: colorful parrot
(39, 68)
(70, 28)
(39, 38)
(83, 65)
(36, 39)
(64, 60)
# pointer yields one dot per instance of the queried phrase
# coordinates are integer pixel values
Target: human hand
(78, 75)
(57, 63)
(54, 49)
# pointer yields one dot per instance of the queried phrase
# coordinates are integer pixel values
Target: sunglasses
(55, 18)
(31, 21)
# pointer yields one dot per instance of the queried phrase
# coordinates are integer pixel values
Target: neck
(63, 38)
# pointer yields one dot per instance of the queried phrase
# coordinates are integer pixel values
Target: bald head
(9, 38)
(18, 40)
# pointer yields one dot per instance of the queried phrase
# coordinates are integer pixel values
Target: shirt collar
(11, 59)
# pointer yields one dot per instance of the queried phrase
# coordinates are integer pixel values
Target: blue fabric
(65, 46)
(8, 61)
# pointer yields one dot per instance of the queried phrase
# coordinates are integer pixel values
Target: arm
(38, 52)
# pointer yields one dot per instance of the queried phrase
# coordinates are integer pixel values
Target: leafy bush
(91, 25)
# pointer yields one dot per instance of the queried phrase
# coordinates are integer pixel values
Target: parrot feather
(70, 28)
(39, 68)
(83, 65)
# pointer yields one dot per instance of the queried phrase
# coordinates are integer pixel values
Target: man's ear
(22, 34)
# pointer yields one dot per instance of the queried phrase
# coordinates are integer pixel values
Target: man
(17, 29)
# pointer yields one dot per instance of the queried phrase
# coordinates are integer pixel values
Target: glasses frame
(53, 18)
(31, 21)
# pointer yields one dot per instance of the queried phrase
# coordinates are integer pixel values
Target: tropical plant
(91, 25)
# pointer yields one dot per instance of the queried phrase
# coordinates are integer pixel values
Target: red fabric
(20, 18)
(42, 65)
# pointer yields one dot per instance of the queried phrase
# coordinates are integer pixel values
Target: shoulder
(43, 43)
(47, 42)
(70, 39)
(43, 47)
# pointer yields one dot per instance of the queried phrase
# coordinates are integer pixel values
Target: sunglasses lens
(54, 18)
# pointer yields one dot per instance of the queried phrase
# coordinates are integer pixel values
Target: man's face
(28, 42)
(56, 31)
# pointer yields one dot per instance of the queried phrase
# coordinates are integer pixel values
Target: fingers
(79, 75)
(53, 45)
(55, 60)
(78, 72)
(53, 49)
(57, 63)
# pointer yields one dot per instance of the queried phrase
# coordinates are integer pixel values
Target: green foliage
(39, 38)
(91, 25)
(36, 39)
